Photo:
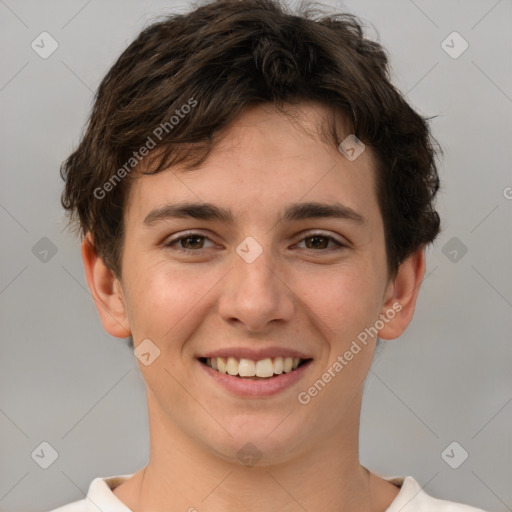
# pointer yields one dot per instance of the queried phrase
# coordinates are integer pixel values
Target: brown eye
(191, 242)
(320, 241)
(194, 244)
(317, 242)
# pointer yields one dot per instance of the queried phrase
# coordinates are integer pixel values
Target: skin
(293, 295)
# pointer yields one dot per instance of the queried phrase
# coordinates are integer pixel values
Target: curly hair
(203, 68)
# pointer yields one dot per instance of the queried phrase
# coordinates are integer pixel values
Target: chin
(260, 441)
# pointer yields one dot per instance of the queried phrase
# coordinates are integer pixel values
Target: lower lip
(257, 388)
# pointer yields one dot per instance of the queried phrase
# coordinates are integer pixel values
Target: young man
(255, 199)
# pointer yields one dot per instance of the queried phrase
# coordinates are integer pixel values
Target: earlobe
(401, 296)
(106, 292)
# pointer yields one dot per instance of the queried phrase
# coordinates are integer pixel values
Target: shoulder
(412, 498)
(99, 496)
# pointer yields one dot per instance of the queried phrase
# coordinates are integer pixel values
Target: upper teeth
(249, 368)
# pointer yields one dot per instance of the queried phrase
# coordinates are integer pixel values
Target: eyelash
(172, 243)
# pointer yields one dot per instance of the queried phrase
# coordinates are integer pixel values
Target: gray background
(66, 382)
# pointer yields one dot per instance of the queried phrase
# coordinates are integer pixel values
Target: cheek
(345, 299)
(166, 301)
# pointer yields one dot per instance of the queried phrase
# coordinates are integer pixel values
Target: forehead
(263, 160)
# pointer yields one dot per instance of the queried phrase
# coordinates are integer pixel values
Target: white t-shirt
(411, 498)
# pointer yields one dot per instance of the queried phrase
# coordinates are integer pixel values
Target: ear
(106, 291)
(401, 294)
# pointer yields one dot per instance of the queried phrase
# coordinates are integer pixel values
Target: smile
(254, 378)
(248, 368)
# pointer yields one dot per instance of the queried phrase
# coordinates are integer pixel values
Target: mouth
(248, 369)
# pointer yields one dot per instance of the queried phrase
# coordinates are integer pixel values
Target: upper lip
(255, 354)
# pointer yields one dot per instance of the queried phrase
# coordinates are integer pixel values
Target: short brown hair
(222, 57)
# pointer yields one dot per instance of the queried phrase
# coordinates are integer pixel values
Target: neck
(327, 477)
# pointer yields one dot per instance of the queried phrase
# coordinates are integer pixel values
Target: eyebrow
(292, 212)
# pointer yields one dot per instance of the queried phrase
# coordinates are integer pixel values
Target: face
(270, 282)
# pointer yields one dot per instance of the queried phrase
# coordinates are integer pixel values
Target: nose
(256, 291)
